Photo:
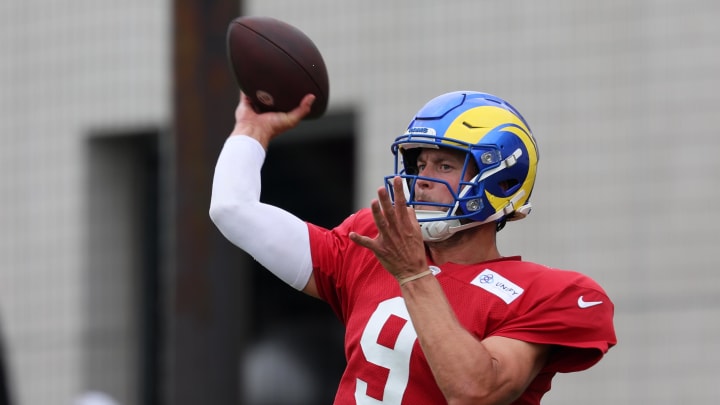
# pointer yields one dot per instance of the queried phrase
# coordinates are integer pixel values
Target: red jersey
(505, 297)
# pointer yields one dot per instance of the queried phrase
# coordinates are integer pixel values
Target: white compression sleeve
(277, 239)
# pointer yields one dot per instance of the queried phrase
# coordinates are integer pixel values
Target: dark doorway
(296, 342)
(4, 373)
(122, 284)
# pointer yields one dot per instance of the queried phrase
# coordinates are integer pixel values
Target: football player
(433, 312)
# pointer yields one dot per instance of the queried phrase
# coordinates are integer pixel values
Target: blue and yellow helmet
(497, 141)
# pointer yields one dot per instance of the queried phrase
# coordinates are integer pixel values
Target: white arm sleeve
(275, 238)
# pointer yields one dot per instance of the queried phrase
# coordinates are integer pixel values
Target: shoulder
(360, 222)
(336, 259)
(335, 243)
(556, 293)
(563, 308)
(550, 277)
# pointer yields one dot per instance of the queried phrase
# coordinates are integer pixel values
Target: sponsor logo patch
(498, 285)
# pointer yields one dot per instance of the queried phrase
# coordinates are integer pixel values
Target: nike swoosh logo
(587, 304)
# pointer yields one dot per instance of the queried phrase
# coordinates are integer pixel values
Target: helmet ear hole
(410, 157)
(508, 184)
(506, 187)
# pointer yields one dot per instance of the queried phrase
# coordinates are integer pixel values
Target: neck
(469, 246)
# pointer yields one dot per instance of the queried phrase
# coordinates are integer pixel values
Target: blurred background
(116, 287)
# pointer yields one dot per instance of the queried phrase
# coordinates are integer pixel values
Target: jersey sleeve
(577, 320)
(335, 257)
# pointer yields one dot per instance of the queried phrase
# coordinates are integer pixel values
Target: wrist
(243, 128)
(405, 280)
(251, 132)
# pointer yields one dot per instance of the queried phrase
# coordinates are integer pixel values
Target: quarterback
(433, 312)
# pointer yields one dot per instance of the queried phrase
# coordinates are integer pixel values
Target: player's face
(441, 164)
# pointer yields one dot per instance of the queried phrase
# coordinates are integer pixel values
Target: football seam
(317, 85)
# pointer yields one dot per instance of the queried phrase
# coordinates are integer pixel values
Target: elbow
(475, 399)
(475, 394)
(224, 214)
(469, 398)
(218, 212)
(466, 393)
(237, 220)
(231, 220)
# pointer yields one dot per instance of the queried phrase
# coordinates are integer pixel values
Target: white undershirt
(275, 238)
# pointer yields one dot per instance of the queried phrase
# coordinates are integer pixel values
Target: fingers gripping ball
(276, 65)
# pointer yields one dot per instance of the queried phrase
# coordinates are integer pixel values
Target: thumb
(361, 240)
(303, 109)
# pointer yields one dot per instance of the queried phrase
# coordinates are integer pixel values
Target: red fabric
(388, 364)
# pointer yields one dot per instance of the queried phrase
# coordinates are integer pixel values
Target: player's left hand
(399, 244)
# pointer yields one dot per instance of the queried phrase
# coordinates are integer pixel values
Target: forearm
(274, 237)
(464, 369)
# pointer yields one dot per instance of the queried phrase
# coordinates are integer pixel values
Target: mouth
(422, 202)
(429, 206)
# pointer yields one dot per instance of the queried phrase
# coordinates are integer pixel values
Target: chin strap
(437, 231)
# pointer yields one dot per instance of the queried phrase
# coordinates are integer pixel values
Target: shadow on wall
(4, 374)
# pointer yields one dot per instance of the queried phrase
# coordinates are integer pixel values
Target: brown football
(276, 65)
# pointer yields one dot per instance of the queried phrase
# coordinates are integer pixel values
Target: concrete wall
(69, 71)
(622, 98)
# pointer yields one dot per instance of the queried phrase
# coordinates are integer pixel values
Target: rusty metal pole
(204, 286)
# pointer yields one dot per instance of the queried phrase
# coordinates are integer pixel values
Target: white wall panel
(622, 97)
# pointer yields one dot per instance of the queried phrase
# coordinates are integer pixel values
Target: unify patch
(498, 285)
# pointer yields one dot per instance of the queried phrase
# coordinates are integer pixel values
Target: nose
(422, 184)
